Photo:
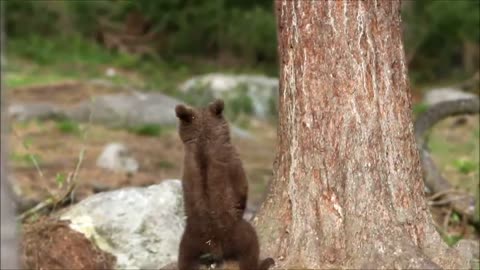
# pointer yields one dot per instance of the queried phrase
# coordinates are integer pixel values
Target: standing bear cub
(215, 192)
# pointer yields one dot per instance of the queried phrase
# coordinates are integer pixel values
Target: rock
(438, 95)
(116, 157)
(260, 92)
(28, 111)
(127, 110)
(470, 249)
(110, 72)
(241, 133)
(141, 227)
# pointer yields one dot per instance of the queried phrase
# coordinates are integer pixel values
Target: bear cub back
(215, 192)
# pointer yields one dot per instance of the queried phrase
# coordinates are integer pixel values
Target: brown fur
(215, 191)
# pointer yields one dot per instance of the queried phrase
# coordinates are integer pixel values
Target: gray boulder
(28, 111)
(259, 91)
(141, 227)
(127, 110)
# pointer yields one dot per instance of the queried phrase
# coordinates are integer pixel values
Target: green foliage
(435, 33)
(148, 130)
(199, 95)
(25, 159)
(465, 166)
(187, 27)
(165, 164)
(60, 179)
(26, 17)
(68, 126)
(84, 14)
(256, 39)
(452, 239)
(239, 102)
(419, 108)
(455, 218)
(72, 49)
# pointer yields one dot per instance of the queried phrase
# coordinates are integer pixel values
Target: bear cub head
(202, 124)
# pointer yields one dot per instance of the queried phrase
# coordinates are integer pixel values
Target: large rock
(438, 95)
(41, 110)
(127, 110)
(258, 92)
(141, 227)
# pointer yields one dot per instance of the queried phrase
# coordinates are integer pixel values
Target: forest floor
(56, 145)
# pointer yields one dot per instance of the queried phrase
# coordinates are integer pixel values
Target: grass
(419, 108)
(68, 127)
(36, 60)
(148, 130)
(456, 151)
(165, 164)
(24, 159)
(465, 166)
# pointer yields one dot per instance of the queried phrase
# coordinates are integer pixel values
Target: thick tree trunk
(8, 243)
(347, 188)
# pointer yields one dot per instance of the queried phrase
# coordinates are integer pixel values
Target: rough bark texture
(8, 223)
(347, 189)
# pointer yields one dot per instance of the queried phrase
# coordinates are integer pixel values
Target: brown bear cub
(215, 192)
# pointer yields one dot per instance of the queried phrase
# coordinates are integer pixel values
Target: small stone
(116, 157)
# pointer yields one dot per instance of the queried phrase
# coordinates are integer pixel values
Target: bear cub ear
(216, 107)
(183, 113)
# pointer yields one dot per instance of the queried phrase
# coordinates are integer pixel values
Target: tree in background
(8, 243)
(347, 188)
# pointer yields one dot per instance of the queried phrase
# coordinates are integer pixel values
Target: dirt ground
(160, 157)
(51, 244)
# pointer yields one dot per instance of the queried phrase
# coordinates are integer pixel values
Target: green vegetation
(25, 159)
(60, 179)
(239, 33)
(165, 164)
(419, 108)
(454, 25)
(148, 130)
(465, 166)
(452, 239)
(455, 151)
(68, 126)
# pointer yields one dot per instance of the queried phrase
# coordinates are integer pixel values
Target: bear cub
(215, 192)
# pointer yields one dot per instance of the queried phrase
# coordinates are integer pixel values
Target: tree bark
(347, 190)
(8, 243)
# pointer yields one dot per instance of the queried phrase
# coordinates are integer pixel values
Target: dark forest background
(441, 37)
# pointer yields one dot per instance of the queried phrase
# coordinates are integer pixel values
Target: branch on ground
(434, 180)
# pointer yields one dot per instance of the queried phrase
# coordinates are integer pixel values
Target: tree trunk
(347, 189)
(8, 243)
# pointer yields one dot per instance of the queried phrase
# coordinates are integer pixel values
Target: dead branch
(432, 176)
(57, 199)
(48, 203)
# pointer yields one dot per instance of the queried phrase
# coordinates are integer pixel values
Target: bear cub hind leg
(189, 252)
(246, 249)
